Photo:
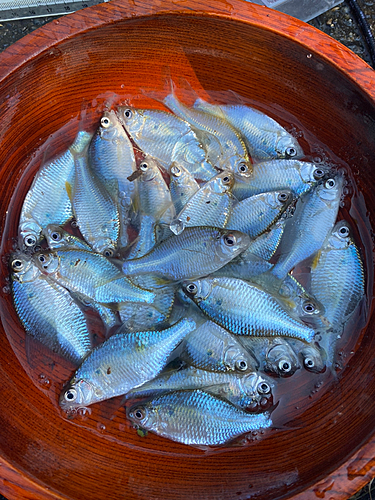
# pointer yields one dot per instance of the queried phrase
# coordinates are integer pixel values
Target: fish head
(279, 199)
(236, 359)
(229, 244)
(79, 394)
(288, 147)
(23, 269)
(256, 387)
(311, 173)
(314, 360)
(148, 169)
(30, 233)
(331, 189)
(222, 183)
(56, 237)
(132, 119)
(142, 417)
(281, 360)
(198, 290)
(242, 169)
(341, 236)
(110, 127)
(48, 262)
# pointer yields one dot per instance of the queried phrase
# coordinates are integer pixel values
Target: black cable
(365, 28)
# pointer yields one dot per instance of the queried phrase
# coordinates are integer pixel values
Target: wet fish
(211, 205)
(256, 214)
(313, 357)
(167, 138)
(89, 275)
(274, 353)
(111, 158)
(182, 186)
(195, 418)
(196, 252)
(234, 154)
(245, 309)
(245, 390)
(47, 311)
(47, 201)
(212, 348)
(57, 237)
(339, 264)
(298, 176)
(95, 211)
(124, 361)
(311, 223)
(263, 136)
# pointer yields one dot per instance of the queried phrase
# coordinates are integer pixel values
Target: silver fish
(264, 137)
(298, 176)
(245, 309)
(211, 205)
(245, 390)
(47, 201)
(124, 361)
(47, 311)
(275, 354)
(182, 186)
(312, 221)
(313, 357)
(196, 418)
(196, 252)
(212, 348)
(59, 238)
(234, 153)
(111, 158)
(256, 214)
(89, 275)
(96, 213)
(167, 138)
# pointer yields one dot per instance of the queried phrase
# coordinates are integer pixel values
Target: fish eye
(227, 179)
(309, 363)
(283, 197)
(42, 258)
(105, 122)
(176, 171)
(128, 113)
(344, 231)
(264, 388)
(330, 184)
(309, 307)
(291, 151)
(143, 166)
(230, 240)
(243, 168)
(56, 236)
(139, 413)
(318, 173)
(30, 240)
(241, 365)
(192, 288)
(285, 366)
(108, 252)
(70, 395)
(17, 265)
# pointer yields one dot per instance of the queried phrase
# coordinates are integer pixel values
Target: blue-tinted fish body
(212, 348)
(182, 186)
(89, 275)
(196, 418)
(311, 223)
(146, 238)
(264, 137)
(265, 245)
(245, 309)
(95, 211)
(48, 312)
(111, 158)
(121, 363)
(256, 214)
(197, 251)
(47, 201)
(59, 238)
(297, 176)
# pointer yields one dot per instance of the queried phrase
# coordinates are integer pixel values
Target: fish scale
(197, 418)
(125, 361)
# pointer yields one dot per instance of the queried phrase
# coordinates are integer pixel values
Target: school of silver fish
(212, 254)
